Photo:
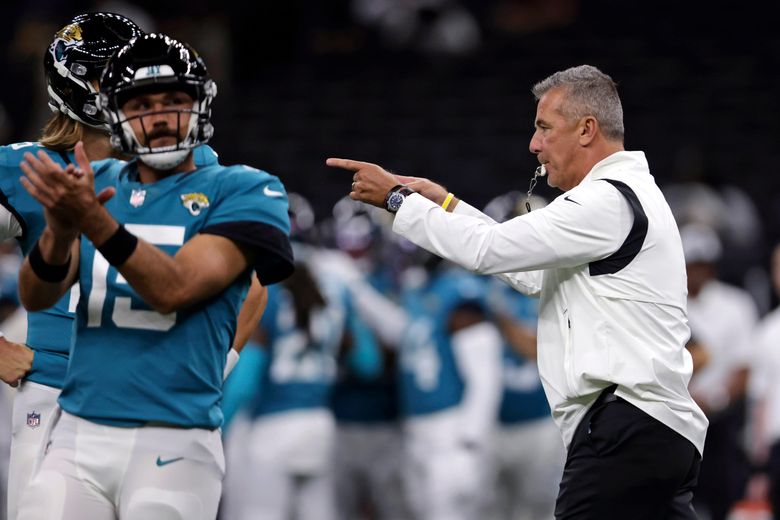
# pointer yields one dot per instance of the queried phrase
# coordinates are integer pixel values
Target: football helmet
(154, 63)
(357, 227)
(76, 57)
(302, 219)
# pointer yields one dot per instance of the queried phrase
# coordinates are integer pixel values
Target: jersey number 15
(123, 315)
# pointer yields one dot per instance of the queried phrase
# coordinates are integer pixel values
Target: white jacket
(606, 259)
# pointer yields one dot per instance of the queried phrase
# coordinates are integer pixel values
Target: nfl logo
(33, 420)
(137, 198)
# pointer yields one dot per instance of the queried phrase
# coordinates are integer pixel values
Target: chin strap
(164, 160)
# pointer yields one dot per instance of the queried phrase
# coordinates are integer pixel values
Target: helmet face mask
(148, 65)
(75, 59)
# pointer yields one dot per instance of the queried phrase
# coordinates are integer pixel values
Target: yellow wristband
(447, 201)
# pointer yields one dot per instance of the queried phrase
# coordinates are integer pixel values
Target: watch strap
(403, 189)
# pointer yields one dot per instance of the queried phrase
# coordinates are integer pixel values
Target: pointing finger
(347, 164)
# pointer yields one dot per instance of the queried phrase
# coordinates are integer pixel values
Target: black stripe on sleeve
(7, 205)
(274, 259)
(64, 157)
(633, 242)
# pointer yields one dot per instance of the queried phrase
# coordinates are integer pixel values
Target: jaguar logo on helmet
(76, 57)
(70, 33)
(67, 37)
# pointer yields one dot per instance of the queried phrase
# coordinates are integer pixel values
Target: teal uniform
(131, 366)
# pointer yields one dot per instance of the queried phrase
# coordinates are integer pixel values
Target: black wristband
(47, 272)
(118, 248)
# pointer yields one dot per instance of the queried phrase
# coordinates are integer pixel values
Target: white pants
(6, 404)
(34, 407)
(97, 472)
(530, 459)
(367, 468)
(281, 467)
(443, 479)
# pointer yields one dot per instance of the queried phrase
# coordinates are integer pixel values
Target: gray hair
(589, 92)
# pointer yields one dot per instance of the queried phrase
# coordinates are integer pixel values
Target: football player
(72, 66)
(163, 264)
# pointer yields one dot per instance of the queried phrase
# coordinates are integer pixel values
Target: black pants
(624, 465)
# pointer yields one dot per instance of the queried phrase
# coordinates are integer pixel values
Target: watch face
(394, 202)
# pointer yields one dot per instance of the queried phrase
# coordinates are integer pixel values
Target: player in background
(764, 388)
(365, 401)
(287, 460)
(449, 384)
(450, 363)
(723, 317)
(72, 66)
(160, 294)
(279, 464)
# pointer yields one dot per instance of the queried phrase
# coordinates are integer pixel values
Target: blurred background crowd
(441, 89)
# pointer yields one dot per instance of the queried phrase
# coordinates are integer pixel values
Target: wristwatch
(396, 196)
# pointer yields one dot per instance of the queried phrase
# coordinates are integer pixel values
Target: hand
(370, 183)
(15, 361)
(67, 194)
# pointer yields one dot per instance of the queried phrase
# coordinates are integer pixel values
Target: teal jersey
(204, 155)
(366, 391)
(523, 397)
(430, 379)
(130, 365)
(301, 367)
(48, 332)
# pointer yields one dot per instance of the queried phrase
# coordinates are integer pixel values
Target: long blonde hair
(61, 133)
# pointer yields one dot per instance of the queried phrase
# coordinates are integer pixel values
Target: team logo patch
(33, 420)
(70, 33)
(195, 202)
(137, 198)
(67, 37)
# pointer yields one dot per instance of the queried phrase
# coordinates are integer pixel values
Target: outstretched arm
(371, 182)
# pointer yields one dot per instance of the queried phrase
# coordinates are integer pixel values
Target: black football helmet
(157, 63)
(76, 57)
